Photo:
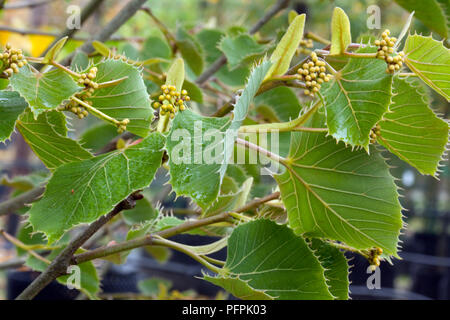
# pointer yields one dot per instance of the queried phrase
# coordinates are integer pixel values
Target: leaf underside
(267, 260)
(331, 192)
(411, 130)
(430, 60)
(47, 136)
(356, 99)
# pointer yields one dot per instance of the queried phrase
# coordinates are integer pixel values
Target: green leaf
(43, 91)
(89, 281)
(283, 103)
(240, 50)
(430, 60)
(331, 192)
(127, 100)
(27, 237)
(98, 184)
(430, 12)
(411, 130)
(11, 106)
(80, 61)
(143, 211)
(191, 50)
(285, 50)
(53, 52)
(335, 265)
(47, 136)
(241, 109)
(357, 98)
(190, 175)
(340, 32)
(194, 92)
(97, 136)
(267, 260)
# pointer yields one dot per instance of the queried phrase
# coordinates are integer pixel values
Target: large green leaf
(356, 99)
(267, 260)
(128, 99)
(430, 12)
(190, 174)
(430, 60)
(335, 265)
(331, 192)
(80, 192)
(47, 136)
(411, 130)
(240, 49)
(11, 106)
(43, 91)
(240, 111)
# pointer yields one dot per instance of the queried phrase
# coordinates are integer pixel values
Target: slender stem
(14, 204)
(13, 263)
(26, 4)
(260, 150)
(360, 55)
(282, 126)
(344, 247)
(214, 261)
(65, 69)
(407, 74)
(159, 241)
(240, 217)
(166, 32)
(96, 112)
(317, 38)
(111, 83)
(23, 246)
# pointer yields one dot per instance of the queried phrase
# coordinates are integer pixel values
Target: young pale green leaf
(240, 50)
(331, 192)
(43, 91)
(411, 130)
(292, 15)
(335, 265)
(267, 260)
(11, 106)
(91, 188)
(430, 12)
(340, 32)
(241, 109)
(176, 75)
(80, 61)
(101, 48)
(285, 50)
(89, 280)
(357, 98)
(195, 161)
(126, 100)
(430, 60)
(53, 52)
(47, 136)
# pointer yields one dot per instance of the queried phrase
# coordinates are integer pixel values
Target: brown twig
(59, 265)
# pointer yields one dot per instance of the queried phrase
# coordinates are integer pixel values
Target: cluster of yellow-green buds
(313, 73)
(87, 80)
(385, 49)
(374, 133)
(374, 256)
(171, 101)
(12, 59)
(77, 109)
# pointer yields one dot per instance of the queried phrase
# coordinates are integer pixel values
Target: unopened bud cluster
(374, 133)
(171, 101)
(313, 73)
(385, 49)
(87, 80)
(374, 256)
(78, 109)
(12, 59)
